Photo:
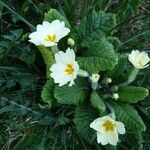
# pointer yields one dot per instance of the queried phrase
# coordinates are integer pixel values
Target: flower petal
(144, 58)
(35, 38)
(105, 138)
(101, 138)
(113, 138)
(70, 53)
(97, 124)
(60, 57)
(120, 127)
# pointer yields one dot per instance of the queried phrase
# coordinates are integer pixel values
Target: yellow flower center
(141, 64)
(69, 69)
(50, 38)
(109, 126)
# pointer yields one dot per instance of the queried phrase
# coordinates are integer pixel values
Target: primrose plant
(85, 69)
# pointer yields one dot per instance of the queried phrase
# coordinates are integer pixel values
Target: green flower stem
(47, 57)
(112, 112)
(94, 85)
(54, 50)
(48, 71)
(133, 75)
(82, 73)
(94, 81)
(131, 78)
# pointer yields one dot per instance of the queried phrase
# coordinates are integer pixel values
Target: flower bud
(71, 42)
(95, 77)
(115, 88)
(108, 80)
(115, 96)
(94, 81)
(82, 73)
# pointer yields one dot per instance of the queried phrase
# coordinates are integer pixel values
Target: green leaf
(100, 22)
(48, 59)
(100, 56)
(129, 116)
(97, 102)
(47, 93)
(115, 42)
(53, 14)
(135, 140)
(75, 94)
(132, 94)
(82, 119)
(119, 68)
(110, 147)
(134, 5)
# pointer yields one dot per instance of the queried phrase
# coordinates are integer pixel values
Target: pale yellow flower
(107, 130)
(139, 59)
(49, 34)
(65, 69)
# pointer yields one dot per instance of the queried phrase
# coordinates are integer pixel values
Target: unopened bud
(115, 96)
(108, 80)
(83, 73)
(95, 77)
(115, 88)
(71, 42)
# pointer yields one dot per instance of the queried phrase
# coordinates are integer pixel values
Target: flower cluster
(66, 69)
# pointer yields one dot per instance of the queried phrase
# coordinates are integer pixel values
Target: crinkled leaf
(75, 94)
(47, 93)
(82, 119)
(100, 56)
(99, 22)
(103, 21)
(119, 68)
(97, 102)
(53, 14)
(129, 116)
(132, 94)
(115, 42)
